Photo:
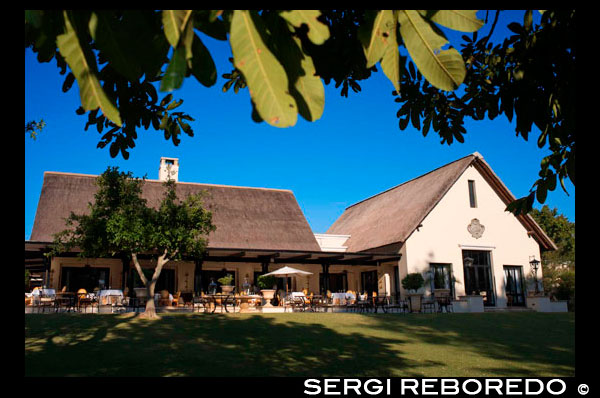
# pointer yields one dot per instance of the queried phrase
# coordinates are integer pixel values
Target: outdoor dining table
(44, 292)
(65, 299)
(104, 295)
(218, 299)
(342, 298)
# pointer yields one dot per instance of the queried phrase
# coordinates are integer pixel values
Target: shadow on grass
(199, 345)
(530, 342)
(350, 345)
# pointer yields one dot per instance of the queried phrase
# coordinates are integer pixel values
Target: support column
(198, 276)
(325, 286)
(46, 261)
(265, 267)
(125, 261)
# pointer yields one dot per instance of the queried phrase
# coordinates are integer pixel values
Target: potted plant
(268, 286)
(412, 283)
(226, 286)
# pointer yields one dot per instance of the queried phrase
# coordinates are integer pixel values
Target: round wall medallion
(475, 228)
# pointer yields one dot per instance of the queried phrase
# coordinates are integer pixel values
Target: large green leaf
(148, 45)
(390, 63)
(203, 67)
(266, 78)
(444, 69)
(377, 35)
(175, 73)
(309, 91)
(175, 23)
(462, 20)
(111, 40)
(82, 62)
(318, 32)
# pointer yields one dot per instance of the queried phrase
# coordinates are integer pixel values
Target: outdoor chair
(298, 304)
(364, 303)
(130, 303)
(176, 297)
(203, 303)
(316, 304)
(46, 302)
(444, 302)
(83, 301)
(164, 301)
(381, 302)
(400, 305)
(351, 305)
(187, 299)
(427, 305)
(66, 302)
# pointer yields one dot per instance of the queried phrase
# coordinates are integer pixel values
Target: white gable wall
(444, 230)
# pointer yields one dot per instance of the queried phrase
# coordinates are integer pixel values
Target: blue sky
(354, 151)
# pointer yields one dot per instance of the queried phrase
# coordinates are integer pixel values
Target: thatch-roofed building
(450, 224)
(257, 230)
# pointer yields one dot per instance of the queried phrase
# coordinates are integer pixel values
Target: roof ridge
(178, 182)
(475, 155)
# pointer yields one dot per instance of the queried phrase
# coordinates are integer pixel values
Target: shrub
(266, 281)
(413, 281)
(226, 280)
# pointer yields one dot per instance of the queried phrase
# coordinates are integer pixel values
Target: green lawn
(301, 344)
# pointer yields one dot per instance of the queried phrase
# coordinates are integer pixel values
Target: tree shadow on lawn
(530, 344)
(201, 345)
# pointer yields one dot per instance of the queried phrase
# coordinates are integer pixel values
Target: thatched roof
(390, 217)
(246, 218)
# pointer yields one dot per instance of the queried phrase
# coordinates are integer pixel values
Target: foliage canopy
(284, 57)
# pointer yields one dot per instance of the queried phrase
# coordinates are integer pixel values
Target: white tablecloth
(45, 292)
(110, 292)
(343, 297)
(157, 296)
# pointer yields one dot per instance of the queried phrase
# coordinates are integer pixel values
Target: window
(472, 196)
(369, 281)
(442, 277)
(478, 275)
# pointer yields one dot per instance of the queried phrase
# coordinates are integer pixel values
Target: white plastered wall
(444, 231)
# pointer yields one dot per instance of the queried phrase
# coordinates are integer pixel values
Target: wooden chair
(186, 299)
(46, 302)
(176, 297)
(316, 304)
(65, 301)
(298, 304)
(83, 300)
(164, 301)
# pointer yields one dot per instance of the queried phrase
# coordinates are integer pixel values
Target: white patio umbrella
(287, 272)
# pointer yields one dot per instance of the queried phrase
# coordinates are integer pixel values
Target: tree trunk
(150, 311)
